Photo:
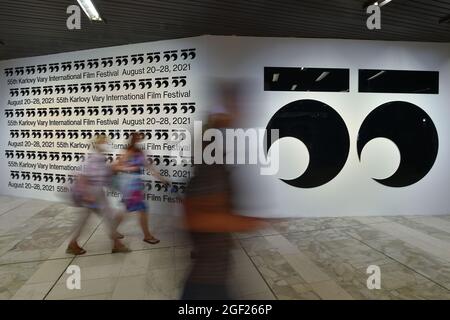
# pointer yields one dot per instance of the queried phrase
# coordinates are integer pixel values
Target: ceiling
(36, 27)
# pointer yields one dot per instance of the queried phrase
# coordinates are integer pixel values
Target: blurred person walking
(131, 167)
(89, 193)
(210, 218)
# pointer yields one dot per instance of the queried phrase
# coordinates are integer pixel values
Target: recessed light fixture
(376, 3)
(382, 3)
(377, 75)
(275, 77)
(90, 10)
(322, 76)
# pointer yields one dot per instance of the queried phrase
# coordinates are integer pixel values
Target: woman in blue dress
(132, 165)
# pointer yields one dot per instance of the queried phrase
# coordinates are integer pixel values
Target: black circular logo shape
(323, 132)
(414, 133)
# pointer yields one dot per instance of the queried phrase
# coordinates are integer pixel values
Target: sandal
(151, 240)
(118, 235)
(75, 251)
(121, 249)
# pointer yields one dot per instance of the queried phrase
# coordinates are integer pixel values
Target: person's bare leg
(118, 245)
(112, 221)
(81, 222)
(116, 223)
(73, 247)
(143, 221)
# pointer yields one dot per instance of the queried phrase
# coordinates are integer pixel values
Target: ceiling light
(382, 3)
(377, 75)
(376, 3)
(90, 10)
(322, 76)
(275, 77)
(294, 87)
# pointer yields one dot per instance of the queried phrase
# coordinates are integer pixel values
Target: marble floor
(307, 258)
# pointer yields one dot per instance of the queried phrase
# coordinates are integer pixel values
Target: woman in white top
(91, 186)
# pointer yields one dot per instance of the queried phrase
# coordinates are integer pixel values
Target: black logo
(324, 133)
(414, 133)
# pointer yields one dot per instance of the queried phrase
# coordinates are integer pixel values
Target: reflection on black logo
(414, 133)
(185, 107)
(137, 58)
(179, 81)
(60, 89)
(66, 111)
(66, 66)
(99, 132)
(9, 154)
(93, 110)
(153, 57)
(170, 107)
(79, 65)
(107, 110)
(154, 108)
(129, 84)
(162, 82)
(122, 109)
(53, 112)
(60, 178)
(162, 134)
(47, 90)
(170, 55)
(324, 133)
(107, 62)
(86, 134)
(25, 133)
(42, 155)
(178, 187)
(14, 133)
(9, 72)
(20, 113)
(30, 70)
(145, 83)
(20, 154)
(42, 68)
(19, 71)
(188, 53)
(114, 134)
(79, 111)
(137, 108)
(92, 63)
(54, 67)
(122, 60)
(15, 174)
(54, 156)
(100, 86)
(36, 91)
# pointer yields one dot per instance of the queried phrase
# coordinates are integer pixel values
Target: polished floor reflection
(308, 258)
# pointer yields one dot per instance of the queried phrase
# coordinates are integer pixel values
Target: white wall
(353, 191)
(190, 68)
